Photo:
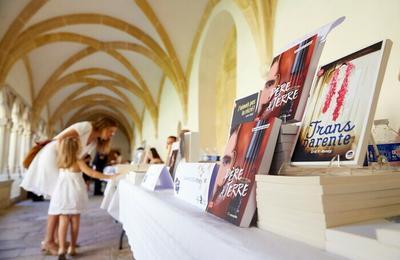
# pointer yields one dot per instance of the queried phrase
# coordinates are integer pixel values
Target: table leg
(121, 239)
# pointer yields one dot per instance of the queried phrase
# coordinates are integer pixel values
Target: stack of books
(284, 147)
(303, 207)
(378, 239)
(390, 234)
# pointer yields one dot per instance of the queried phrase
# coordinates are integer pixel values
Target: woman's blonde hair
(68, 151)
(103, 146)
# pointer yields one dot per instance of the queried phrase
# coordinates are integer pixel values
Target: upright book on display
(244, 110)
(248, 152)
(339, 118)
(251, 144)
(287, 87)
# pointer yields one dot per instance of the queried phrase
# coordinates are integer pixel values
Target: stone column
(28, 141)
(3, 131)
(3, 126)
(6, 148)
(25, 146)
(15, 118)
(13, 148)
(25, 136)
(19, 150)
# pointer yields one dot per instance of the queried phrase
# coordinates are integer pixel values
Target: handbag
(33, 152)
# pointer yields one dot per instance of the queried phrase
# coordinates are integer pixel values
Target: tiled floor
(22, 228)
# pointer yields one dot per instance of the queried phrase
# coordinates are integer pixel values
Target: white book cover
(194, 182)
(339, 116)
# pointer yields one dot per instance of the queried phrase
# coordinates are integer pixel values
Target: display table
(111, 199)
(160, 226)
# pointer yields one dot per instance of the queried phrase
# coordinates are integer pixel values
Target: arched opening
(217, 82)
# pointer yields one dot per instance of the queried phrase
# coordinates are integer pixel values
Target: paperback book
(248, 152)
(391, 152)
(244, 110)
(303, 207)
(287, 87)
(339, 118)
(286, 90)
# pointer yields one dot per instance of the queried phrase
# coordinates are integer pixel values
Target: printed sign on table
(157, 177)
(194, 182)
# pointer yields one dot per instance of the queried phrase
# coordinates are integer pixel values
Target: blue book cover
(390, 151)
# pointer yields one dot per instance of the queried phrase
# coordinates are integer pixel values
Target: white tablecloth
(111, 198)
(160, 226)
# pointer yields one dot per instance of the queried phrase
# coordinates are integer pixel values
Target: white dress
(42, 175)
(70, 195)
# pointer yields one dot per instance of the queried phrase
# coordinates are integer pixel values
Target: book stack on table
(377, 239)
(284, 147)
(303, 207)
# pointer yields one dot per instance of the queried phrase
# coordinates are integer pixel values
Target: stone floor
(22, 228)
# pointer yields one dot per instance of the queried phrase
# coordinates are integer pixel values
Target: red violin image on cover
(288, 83)
(248, 152)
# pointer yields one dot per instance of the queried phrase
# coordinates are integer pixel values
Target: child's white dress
(70, 195)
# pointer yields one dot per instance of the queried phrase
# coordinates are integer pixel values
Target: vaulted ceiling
(99, 56)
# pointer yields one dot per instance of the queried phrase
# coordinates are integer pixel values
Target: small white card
(157, 177)
(194, 182)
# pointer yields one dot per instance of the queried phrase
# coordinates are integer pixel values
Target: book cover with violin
(248, 152)
(339, 118)
(289, 80)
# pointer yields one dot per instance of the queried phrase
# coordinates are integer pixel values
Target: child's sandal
(48, 249)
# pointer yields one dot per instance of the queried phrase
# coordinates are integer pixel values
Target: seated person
(153, 157)
(114, 157)
(170, 140)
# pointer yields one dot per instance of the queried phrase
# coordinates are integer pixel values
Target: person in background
(139, 156)
(170, 140)
(118, 159)
(114, 157)
(153, 157)
(87, 159)
(70, 198)
(182, 151)
(99, 163)
(42, 174)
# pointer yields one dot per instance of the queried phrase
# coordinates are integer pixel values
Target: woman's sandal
(62, 256)
(71, 251)
(67, 243)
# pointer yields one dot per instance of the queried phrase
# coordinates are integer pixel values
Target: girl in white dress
(70, 197)
(42, 175)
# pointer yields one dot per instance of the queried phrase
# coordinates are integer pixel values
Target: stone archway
(211, 57)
